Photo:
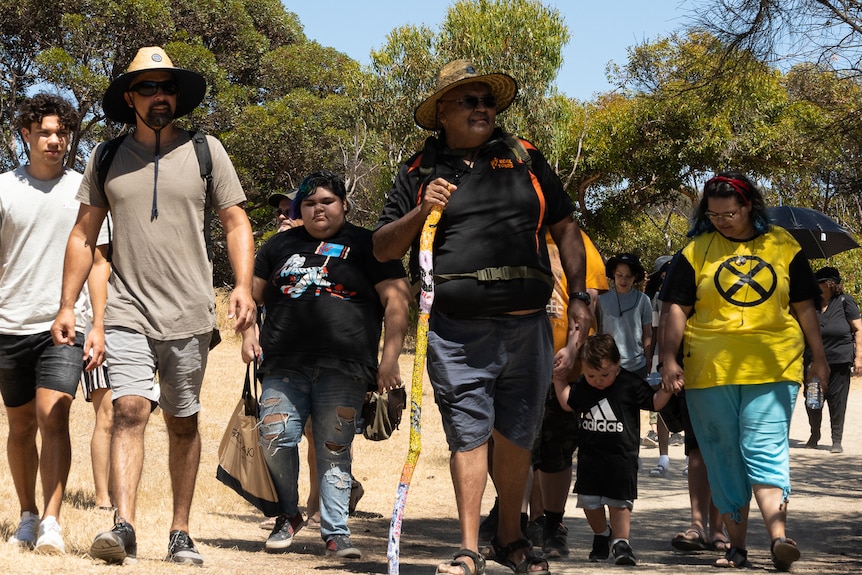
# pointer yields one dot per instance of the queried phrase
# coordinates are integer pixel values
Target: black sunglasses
(280, 212)
(149, 88)
(472, 102)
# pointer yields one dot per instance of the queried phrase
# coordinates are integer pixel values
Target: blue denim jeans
(332, 398)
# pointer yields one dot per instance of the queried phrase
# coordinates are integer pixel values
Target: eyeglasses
(149, 88)
(280, 212)
(725, 217)
(472, 102)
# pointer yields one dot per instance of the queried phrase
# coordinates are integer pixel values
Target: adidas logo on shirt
(602, 418)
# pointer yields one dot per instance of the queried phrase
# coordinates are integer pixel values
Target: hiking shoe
(651, 439)
(27, 532)
(181, 549)
(676, 439)
(812, 441)
(356, 493)
(623, 553)
(601, 547)
(535, 530)
(283, 531)
(836, 448)
(50, 539)
(340, 546)
(118, 545)
(658, 471)
(555, 542)
(488, 526)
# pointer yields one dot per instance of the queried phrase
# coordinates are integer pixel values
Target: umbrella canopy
(819, 235)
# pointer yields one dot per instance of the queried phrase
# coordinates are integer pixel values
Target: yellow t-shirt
(741, 330)
(558, 305)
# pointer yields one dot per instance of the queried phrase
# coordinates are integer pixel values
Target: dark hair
(730, 185)
(33, 111)
(598, 348)
(320, 179)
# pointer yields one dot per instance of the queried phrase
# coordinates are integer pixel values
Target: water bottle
(814, 394)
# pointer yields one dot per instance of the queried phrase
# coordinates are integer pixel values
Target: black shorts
(556, 442)
(31, 361)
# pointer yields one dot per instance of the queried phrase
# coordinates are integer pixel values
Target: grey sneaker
(283, 531)
(623, 554)
(535, 530)
(340, 546)
(27, 532)
(118, 545)
(676, 439)
(181, 549)
(50, 541)
(650, 440)
(836, 448)
(555, 541)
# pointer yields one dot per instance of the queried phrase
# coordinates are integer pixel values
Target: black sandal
(478, 563)
(736, 557)
(502, 552)
(784, 552)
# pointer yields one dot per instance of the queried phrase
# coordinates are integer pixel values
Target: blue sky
(600, 31)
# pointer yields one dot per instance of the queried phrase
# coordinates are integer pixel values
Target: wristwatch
(581, 295)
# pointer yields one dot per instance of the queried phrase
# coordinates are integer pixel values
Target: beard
(159, 118)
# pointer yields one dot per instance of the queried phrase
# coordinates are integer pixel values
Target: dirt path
(824, 510)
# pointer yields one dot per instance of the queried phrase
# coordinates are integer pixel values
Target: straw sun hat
(457, 73)
(192, 86)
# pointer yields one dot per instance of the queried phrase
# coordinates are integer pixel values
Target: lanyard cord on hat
(154, 211)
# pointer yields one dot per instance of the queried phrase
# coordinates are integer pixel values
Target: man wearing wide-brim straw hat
(161, 307)
(490, 350)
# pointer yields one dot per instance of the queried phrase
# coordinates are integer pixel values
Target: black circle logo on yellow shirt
(745, 280)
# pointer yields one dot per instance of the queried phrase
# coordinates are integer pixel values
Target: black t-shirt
(320, 298)
(838, 342)
(497, 217)
(609, 434)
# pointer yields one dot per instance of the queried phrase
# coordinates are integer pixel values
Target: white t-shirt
(36, 217)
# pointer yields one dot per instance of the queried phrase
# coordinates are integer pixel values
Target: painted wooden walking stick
(426, 298)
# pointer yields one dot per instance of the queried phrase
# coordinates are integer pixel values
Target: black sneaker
(118, 545)
(488, 526)
(555, 541)
(623, 554)
(340, 546)
(601, 547)
(181, 549)
(535, 530)
(283, 532)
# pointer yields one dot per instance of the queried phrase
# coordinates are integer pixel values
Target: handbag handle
(249, 393)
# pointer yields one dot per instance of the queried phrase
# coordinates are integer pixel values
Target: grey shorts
(599, 501)
(133, 360)
(490, 373)
(28, 362)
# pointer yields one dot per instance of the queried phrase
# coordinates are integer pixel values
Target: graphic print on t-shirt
(300, 278)
(601, 418)
(745, 281)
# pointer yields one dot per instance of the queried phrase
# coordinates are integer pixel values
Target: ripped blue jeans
(333, 399)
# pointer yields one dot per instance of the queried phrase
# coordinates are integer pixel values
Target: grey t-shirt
(161, 280)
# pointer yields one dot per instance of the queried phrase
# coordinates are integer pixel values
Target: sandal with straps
(736, 557)
(502, 553)
(784, 552)
(478, 563)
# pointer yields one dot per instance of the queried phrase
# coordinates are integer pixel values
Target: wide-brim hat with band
(192, 86)
(276, 199)
(457, 73)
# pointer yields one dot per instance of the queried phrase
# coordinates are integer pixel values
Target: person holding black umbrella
(841, 331)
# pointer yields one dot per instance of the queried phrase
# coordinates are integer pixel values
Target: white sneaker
(28, 528)
(50, 541)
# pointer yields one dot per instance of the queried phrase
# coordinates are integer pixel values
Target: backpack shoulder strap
(519, 149)
(104, 157)
(205, 163)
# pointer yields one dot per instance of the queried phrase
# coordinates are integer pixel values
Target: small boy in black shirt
(608, 400)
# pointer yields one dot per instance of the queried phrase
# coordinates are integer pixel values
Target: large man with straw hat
(161, 309)
(490, 348)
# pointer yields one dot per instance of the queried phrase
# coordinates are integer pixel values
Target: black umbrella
(819, 235)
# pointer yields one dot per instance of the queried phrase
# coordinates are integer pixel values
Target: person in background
(281, 203)
(490, 345)
(160, 316)
(627, 313)
(322, 273)
(742, 294)
(607, 400)
(841, 330)
(39, 380)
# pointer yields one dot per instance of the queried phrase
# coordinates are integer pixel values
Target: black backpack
(105, 156)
